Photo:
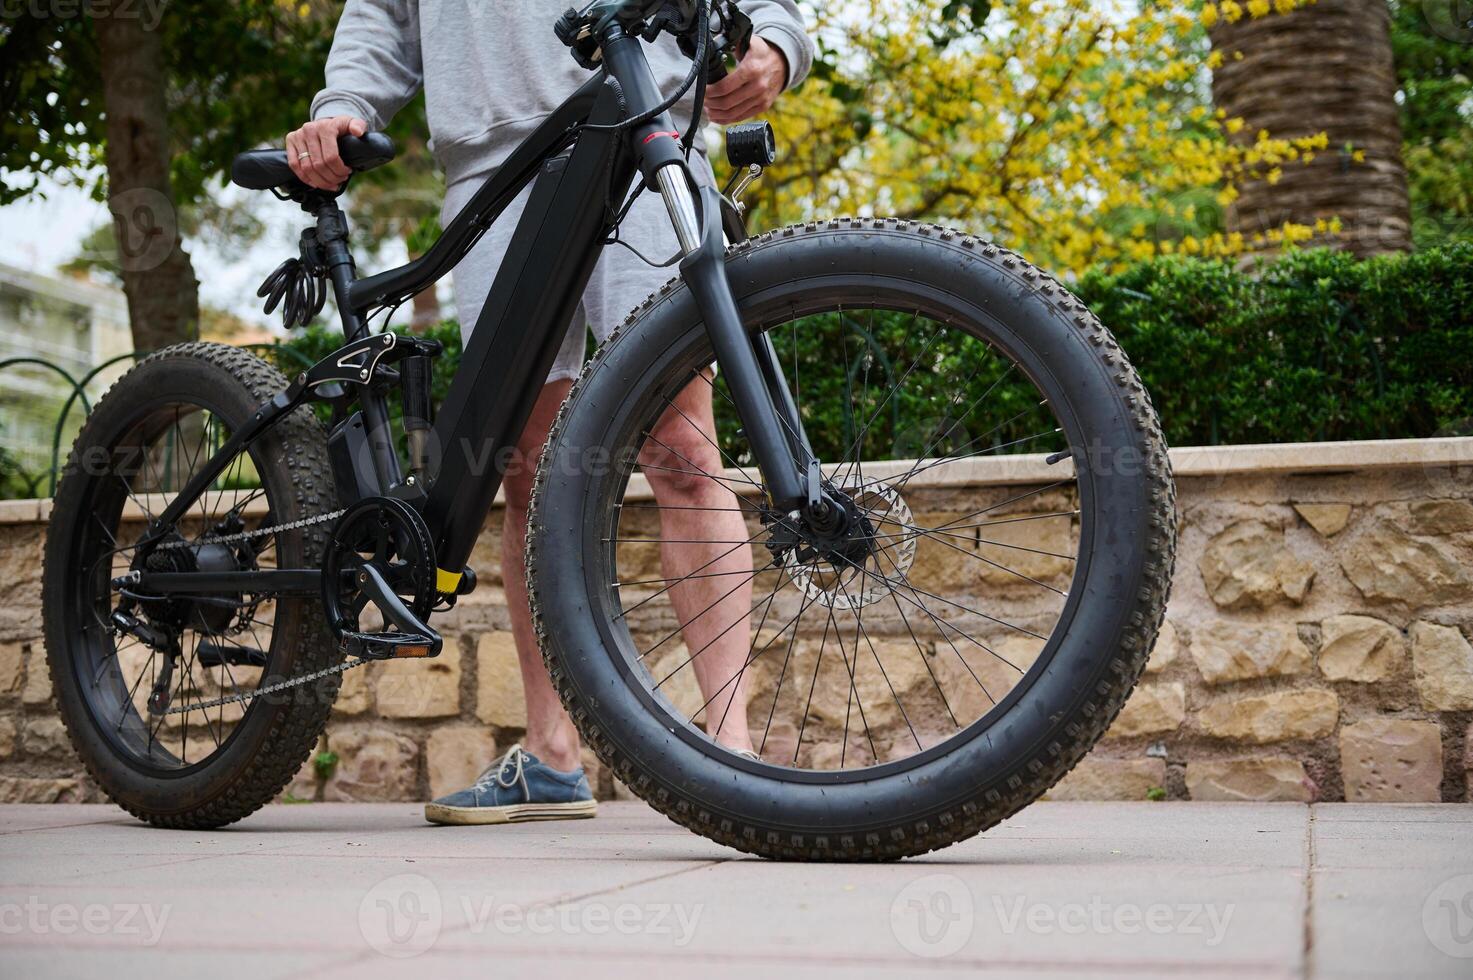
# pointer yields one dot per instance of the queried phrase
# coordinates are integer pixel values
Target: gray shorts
(620, 281)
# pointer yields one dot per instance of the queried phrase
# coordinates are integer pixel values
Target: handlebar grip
(367, 151)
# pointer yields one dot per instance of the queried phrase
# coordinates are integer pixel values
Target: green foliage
(1434, 66)
(240, 73)
(16, 481)
(1156, 794)
(324, 764)
(1317, 346)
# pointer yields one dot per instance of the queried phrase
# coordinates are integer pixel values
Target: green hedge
(1315, 346)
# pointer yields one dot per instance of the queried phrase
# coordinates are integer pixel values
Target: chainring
(391, 535)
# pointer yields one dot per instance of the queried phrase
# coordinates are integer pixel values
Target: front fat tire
(1069, 703)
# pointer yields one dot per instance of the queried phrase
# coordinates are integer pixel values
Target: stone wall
(1316, 646)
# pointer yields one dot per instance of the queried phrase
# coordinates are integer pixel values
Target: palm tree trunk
(1326, 67)
(158, 278)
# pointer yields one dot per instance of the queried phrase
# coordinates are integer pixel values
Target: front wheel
(936, 656)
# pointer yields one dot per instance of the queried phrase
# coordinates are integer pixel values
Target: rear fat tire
(1069, 702)
(273, 740)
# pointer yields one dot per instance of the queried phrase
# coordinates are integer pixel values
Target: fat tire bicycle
(919, 667)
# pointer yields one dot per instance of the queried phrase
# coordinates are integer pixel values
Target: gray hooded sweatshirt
(492, 69)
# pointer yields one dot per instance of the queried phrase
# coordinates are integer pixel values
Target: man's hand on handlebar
(312, 151)
(751, 88)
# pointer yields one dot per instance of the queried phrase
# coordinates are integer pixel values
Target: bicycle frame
(574, 172)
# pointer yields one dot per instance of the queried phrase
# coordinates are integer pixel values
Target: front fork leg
(763, 400)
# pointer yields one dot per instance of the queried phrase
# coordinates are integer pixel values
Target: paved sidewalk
(1063, 889)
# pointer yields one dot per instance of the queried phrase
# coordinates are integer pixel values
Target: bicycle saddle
(261, 170)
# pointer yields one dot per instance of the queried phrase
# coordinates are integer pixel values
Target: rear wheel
(936, 659)
(135, 710)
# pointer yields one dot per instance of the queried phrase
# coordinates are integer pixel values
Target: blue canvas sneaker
(513, 788)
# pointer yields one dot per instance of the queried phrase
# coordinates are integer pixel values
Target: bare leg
(550, 732)
(551, 735)
(714, 608)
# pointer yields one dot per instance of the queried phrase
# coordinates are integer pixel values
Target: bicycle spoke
(854, 394)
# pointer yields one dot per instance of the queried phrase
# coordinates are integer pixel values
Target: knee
(679, 461)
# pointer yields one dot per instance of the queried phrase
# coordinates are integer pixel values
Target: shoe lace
(514, 762)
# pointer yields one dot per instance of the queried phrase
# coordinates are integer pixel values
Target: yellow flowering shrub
(1078, 132)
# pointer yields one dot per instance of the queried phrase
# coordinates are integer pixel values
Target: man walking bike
(491, 72)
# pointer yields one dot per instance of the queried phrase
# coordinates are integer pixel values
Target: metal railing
(77, 395)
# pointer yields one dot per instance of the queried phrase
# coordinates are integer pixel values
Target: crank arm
(414, 632)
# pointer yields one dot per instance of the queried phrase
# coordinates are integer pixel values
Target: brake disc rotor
(853, 584)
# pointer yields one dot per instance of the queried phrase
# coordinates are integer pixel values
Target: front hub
(852, 552)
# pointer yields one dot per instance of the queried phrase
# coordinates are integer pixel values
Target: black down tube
(541, 279)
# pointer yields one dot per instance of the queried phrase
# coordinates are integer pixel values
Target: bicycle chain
(244, 535)
(272, 688)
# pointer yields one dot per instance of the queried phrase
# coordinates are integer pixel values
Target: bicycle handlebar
(730, 29)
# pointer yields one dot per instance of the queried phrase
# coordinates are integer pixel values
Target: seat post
(332, 237)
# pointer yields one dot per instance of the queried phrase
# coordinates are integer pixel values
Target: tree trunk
(158, 278)
(426, 311)
(1325, 67)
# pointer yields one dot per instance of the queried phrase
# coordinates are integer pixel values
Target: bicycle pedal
(391, 646)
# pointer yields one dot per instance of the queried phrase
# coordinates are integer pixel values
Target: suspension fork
(761, 395)
(760, 392)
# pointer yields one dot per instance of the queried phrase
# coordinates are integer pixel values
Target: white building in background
(71, 323)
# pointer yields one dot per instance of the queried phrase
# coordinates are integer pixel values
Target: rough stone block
(1164, 653)
(1249, 566)
(1229, 652)
(1360, 648)
(1266, 780)
(499, 698)
(1391, 760)
(1111, 779)
(45, 736)
(455, 755)
(1446, 516)
(38, 677)
(12, 667)
(355, 696)
(413, 688)
(1275, 717)
(8, 733)
(1386, 564)
(15, 789)
(1443, 662)
(1152, 709)
(373, 767)
(1327, 519)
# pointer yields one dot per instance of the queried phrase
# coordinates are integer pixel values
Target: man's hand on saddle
(751, 88)
(312, 151)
